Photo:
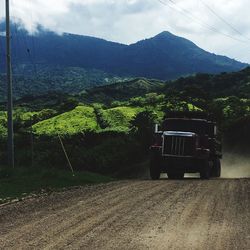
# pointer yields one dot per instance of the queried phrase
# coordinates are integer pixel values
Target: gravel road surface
(134, 214)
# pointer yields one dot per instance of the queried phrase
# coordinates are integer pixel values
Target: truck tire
(154, 168)
(205, 171)
(175, 176)
(216, 170)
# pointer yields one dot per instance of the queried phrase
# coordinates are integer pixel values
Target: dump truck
(186, 144)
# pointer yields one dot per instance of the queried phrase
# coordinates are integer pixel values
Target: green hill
(85, 118)
(118, 118)
(122, 90)
(81, 119)
(221, 85)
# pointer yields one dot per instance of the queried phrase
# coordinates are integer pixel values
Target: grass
(81, 119)
(20, 182)
(119, 118)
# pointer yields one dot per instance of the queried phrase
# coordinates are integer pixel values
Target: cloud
(128, 21)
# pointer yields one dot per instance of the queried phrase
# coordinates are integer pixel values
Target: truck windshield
(186, 125)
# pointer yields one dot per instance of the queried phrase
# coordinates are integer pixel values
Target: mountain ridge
(164, 57)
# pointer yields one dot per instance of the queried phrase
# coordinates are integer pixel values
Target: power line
(23, 42)
(224, 20)
(197, 20)
(24, 55)
(189, 15)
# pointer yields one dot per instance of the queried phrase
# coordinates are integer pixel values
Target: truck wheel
(175, 176)
(205, 171)
(154, 169)
(216, 171)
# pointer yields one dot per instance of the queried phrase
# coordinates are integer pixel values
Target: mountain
(46, 48)
(167, 56)
(164, 56)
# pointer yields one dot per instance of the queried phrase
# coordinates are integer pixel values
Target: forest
(108, 129)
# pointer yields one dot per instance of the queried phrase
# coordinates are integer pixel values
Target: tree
(68, 104)
(195, 95)
(142, 127)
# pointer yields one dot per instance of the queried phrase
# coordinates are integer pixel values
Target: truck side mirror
(156, 128)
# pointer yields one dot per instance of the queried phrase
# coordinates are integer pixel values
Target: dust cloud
(235, 166)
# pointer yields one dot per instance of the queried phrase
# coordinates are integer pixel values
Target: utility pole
(9, 89)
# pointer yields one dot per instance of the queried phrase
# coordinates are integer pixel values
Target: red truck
(185, 145)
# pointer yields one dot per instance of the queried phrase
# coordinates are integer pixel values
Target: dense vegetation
(35, 79)
(108, 129)
(222, 85)
(84, 91)
(205, 86)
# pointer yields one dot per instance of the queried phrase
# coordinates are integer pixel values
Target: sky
(218, 26)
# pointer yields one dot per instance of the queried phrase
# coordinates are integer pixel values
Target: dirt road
(142, 214)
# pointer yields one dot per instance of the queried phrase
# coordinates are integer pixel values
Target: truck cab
(185, 145)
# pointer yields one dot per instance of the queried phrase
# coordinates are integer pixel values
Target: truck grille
(178, 145)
